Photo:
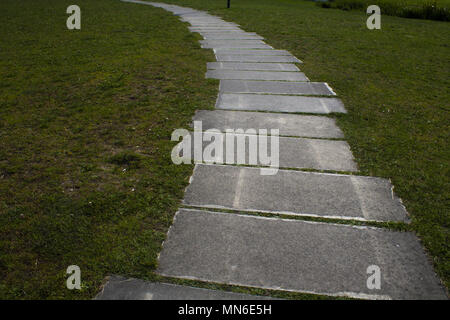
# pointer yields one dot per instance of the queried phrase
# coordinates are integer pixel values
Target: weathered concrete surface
(252, 66)
(228, 36)
(257, 52)
(279, 103)
(226, 32)
(212, 24)
(275, 87)
(255, 58)
(297, 255)
(120, 288)
(292, 152)
(295, 193)
(230, 43)
(209, 29)
(256, 75)
(251, 44)
(288, 125)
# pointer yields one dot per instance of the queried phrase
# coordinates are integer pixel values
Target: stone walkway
(250, 250)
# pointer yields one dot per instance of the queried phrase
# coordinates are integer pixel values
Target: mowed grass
(394, 83)
(420, 9)
(85, 124)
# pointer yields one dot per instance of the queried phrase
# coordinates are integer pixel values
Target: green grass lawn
(423, 9)
(441, 3)
(395, 84)
(85, 122)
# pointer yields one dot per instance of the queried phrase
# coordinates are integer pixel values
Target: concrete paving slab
(288, 125)
(294, 193)
(252, 66)
(212, 24)
(259, 52)
(230, 36)
(297, 153)
(275, 87)
(254, 58)
(205, 20)
(297, 255)
(230, 33)
(256, 75)
(120, 288)
(225, 31)
(251, 44)
(279, 103)
(209, 29)
(229, 43)
(199, 16)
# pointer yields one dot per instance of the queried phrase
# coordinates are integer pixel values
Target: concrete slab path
(242, 247)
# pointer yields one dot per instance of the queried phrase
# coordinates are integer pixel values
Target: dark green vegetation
(85, 122)
(394, 83)
(418, 9)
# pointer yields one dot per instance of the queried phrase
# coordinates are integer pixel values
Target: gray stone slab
(213, 25)
(252, 66)
(256, 75)
(288, 125)
(120, 288)
(275, 87)
(209, 29)
(296, 153)
(251, 44)
(258, 52)
(231, 33)
(297, 255)
(294, 192)
(230, 43)
(279, 103)
(197, 16)
(254, 58)
(230, 36)
(225, 31)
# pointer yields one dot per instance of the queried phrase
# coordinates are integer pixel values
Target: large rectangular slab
(288, 125)
(279, 103)
(230, 42)
(209, 29)
(254, 58)
(120, 288)
(297, 153)
(275, 87)
(192, 17)
(224, 31)
(212, 25)
(251, 44)
(258, 52)
(297, 256)
(230, 36)
(294, 192)
(252, 66)
(256, 75)
(230, 33)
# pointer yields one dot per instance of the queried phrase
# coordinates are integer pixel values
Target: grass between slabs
(394, 83)
(86, 118)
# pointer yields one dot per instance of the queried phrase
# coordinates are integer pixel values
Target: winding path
(317, 178)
